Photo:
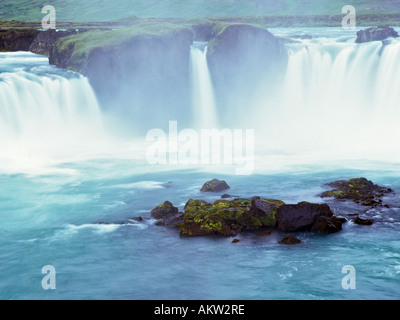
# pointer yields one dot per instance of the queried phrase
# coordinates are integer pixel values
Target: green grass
(108, 10)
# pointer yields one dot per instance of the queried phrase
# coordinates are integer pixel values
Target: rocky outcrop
(376, 34)
(46, 40)
(214, 185)
(359, 190)
(229, 217)
(133, 68)
(17, 39)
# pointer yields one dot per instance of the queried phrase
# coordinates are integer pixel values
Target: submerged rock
(376, 34)
(360, 190)
(290, 240)
(214, 185)
(301, 216)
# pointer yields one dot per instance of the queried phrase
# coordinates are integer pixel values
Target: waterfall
(204, 106)
(44, 111)
(337, 98)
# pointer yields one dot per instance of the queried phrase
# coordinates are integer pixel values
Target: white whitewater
(204, 106)
(46, 114)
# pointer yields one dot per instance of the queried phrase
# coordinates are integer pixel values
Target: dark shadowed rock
(327, 225)
(376, 34)
(45, 40)
(301, 216)
(173, 221)
(235, 240)
(164, 210)
(214, 185)
(290, 240)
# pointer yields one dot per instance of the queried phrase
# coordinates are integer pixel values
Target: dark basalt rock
(214, 185)
(327, 225)
(301, 216)
(360, 190)
(290, 240)
(376, 34)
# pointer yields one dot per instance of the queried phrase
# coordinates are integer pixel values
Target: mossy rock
(164, 210)
(227, 217)
(358, 190)
(266, 210)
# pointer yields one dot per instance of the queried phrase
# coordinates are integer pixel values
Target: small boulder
(290, 240)
(235, 240)
(363, 222)
(164, 210)
(214, 185)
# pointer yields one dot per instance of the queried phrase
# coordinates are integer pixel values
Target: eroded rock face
(376, 34)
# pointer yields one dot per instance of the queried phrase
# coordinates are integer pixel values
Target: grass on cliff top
(82, 44)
